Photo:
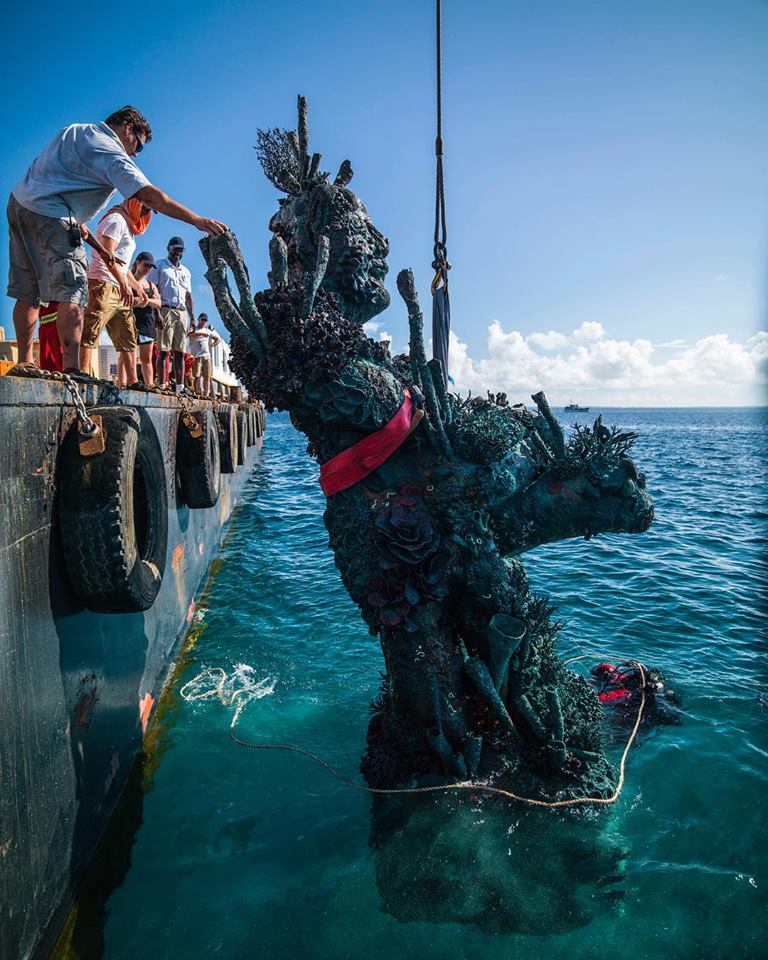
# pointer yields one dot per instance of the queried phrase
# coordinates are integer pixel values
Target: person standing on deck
(201, 339)
(174, 282)
(146, 316)
(113, 289)
(70, 182)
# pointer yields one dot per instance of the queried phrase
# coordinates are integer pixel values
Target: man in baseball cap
(201, 339)
(174, 282)
(146, 316)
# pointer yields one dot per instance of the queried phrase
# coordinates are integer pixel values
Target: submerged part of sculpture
(446, 862)
(428, 518)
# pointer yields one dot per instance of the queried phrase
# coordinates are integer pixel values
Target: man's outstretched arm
(160, 202)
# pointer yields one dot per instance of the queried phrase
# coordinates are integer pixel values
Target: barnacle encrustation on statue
(365, 393)
(425, 536)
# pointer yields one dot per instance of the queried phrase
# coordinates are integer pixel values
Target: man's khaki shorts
(173, 334)
(44, 263)
(201, 367)
(106, 309)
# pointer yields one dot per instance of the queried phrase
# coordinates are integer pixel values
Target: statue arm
(420, 368)
(242, 320)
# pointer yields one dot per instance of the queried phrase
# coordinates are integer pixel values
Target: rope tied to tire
(198, 457)
(113, 512)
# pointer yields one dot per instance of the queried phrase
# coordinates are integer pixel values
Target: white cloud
(589, 330)
(758, 347)
(590, 366)
(370, 328)
(552, 340)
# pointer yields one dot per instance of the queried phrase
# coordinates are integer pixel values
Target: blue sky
(606, 163)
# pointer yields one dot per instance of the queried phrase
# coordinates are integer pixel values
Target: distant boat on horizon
(575, 408)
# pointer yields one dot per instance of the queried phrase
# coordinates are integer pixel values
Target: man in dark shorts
(71, 181)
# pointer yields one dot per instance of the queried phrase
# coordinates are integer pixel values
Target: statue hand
(407, 287)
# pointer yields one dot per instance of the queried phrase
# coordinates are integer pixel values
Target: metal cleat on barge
(114, 505)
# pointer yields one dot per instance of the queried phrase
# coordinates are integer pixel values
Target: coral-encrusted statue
(431, 499)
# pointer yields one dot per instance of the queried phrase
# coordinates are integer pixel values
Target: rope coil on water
(259, 690)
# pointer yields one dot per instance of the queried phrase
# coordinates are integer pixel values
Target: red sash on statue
(356, 462)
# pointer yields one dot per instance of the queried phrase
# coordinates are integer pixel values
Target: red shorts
(50, 347)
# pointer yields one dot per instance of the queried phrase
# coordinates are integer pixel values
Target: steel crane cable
(441, 307)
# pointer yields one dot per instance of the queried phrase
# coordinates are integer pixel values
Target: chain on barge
(106, 536)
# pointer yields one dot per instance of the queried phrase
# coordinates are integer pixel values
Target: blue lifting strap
(441, 327)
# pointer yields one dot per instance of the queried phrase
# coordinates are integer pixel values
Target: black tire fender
(242, 436)
(227, 422)
(113, 513)
(198, 461)
(250, 433)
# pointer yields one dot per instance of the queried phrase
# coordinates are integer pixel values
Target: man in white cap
(201, 339)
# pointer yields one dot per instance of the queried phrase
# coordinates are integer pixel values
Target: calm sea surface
(246, 853)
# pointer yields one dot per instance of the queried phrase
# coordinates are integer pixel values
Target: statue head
(314, 208)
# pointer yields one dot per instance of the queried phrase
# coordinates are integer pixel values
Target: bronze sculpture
(431, 499)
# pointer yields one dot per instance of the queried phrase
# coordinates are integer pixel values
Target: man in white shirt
(177, 313)
(71, 181)
(201, 339)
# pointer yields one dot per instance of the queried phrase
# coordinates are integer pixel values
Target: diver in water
(619, 687)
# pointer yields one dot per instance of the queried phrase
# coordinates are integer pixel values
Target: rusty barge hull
(76, 687)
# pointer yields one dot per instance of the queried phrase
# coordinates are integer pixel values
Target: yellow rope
(485, 787)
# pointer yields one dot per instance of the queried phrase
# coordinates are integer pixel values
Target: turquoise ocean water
(262, 854)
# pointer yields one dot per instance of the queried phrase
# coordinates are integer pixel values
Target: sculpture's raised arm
(243, 321)
(421, 371)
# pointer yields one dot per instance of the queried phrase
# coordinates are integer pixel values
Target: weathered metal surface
(76, 687)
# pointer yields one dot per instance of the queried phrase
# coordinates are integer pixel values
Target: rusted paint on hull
(74, 685)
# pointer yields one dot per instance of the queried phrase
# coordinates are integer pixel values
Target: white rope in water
(224, 687)
(238, 687)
